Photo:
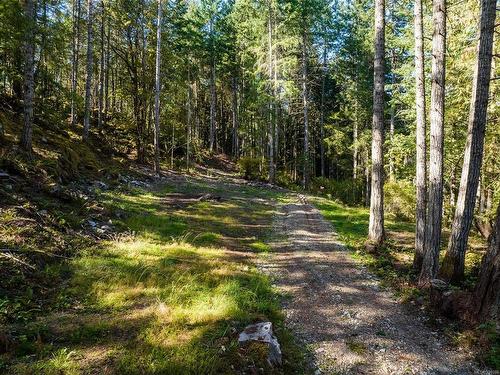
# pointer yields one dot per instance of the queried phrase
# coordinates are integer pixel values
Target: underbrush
(349, 192)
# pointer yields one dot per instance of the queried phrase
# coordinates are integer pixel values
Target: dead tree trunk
(435, 203)
(421, 141)
(453, 264)
(376, 225)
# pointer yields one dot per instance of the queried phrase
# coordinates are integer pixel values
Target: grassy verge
(168, 295)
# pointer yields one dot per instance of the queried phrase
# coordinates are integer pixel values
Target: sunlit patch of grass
(260, 246)
(60, 362)
(207, 238)
(169, 298)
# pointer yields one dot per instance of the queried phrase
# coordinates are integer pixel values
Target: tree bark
(421, 139)
(75, 57)
(432, 242)
(29, 75)
(305, 105)
(322, 112)
(212, 91)
(376, 225)
(453, 264)
(100, 104)
(272, 166)
(106, 75)
(188, 132)
(234, 104)
(355, 150)
(486, 298)
(88, 79)
(392, 123)
(157, 93)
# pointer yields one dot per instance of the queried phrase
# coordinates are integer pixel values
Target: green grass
(166, 297)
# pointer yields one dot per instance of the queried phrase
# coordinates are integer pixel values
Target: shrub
(399, 199)
(350, 192)
(249, 168)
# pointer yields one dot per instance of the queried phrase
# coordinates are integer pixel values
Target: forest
(176, 174)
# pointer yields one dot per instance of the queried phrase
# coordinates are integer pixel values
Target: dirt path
(337, 308)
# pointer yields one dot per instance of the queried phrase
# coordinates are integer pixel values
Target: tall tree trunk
(270, 130)
(421, 141)
(305, 104)
(355, 151)
(212, 93)
(276, 101)
(392, 123)
(367, 180)
(157, 92)
(234, 104)
(432, 242)
(106, 77)
(453, 264)
(100, 105)
(75, 57)
(29, 74)
(486, 298)
(188, 105)
(322, 112)
(88, 79)
(376, 226)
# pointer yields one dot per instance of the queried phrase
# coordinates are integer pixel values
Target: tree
(305, 106)
(454, 261)
(157, 92)
(213, 92)
(88, 79)
(322, 111)
(432, 242)
(421, 141)
(75, 57)
(272, 151)
(29, 73)
(376, 224)
(100, 114)
(486, 297)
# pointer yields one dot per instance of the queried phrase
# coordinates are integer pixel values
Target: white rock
(263, 332)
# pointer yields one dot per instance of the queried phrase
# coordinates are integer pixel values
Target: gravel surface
(337, 308)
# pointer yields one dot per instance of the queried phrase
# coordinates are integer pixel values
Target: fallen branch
(11, 257)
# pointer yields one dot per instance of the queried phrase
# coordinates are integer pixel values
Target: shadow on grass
(235, 220)
(150, 303)
(393, 262)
